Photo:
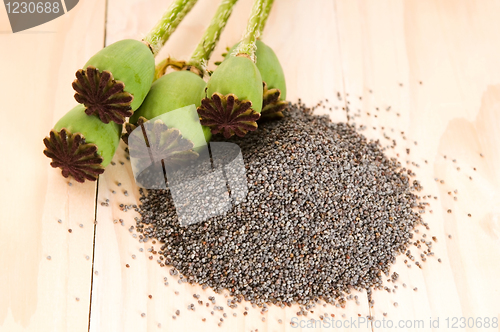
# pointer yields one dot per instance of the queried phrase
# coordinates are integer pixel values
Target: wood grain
(430, 67)
(38, 66)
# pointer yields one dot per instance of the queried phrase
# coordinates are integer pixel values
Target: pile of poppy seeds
(326, 212)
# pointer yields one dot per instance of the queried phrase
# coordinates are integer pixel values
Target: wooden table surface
(425, 73)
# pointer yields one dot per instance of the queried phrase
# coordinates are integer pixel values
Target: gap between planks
(96, 193)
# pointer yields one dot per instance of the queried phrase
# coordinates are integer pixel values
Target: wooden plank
(452, 47)
(38, 66)
(120, 293)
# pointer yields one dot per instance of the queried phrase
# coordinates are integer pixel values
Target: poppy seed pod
(240, 76)
(274, 92)
(82, 145)
(115, 81)
(171, 92)
(234, 98)
(269, 67)
(234, 91)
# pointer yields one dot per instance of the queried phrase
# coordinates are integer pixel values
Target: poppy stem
(158, 36)
(265, 15)
(247, 45)
(207, 44)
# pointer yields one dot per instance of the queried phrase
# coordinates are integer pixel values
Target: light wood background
(425, 73)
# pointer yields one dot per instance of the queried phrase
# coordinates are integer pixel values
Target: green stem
(209, 40)
(247, 44)
(265, 15)
(157, 37)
